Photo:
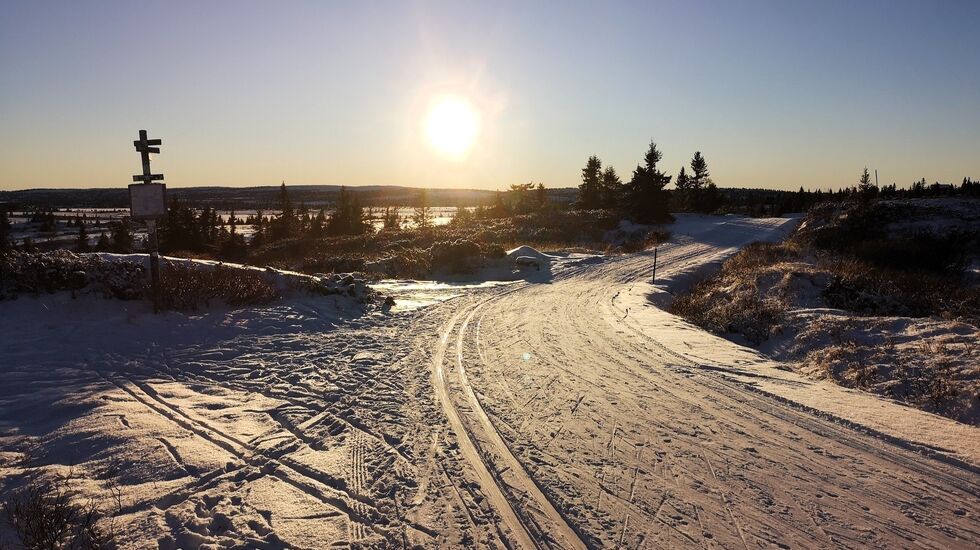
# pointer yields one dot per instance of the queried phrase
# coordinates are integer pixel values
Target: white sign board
(147, 201)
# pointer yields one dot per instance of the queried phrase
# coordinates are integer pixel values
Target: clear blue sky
(774, 93)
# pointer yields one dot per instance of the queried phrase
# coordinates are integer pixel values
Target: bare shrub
(49, 515)
(732, 301)
(645, 241)
(187, 288)
(867, 289)
(460, 256)
(61, 270)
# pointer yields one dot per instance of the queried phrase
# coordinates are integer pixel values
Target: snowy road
(564, 411)
(637, 445)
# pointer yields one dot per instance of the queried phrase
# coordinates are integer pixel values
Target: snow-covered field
(560, 410)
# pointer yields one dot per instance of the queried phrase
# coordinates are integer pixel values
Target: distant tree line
(205, 231)
(646, 199)
(643, 196)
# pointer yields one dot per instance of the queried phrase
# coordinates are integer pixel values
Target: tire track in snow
(488, 482)
(569, 537)
(808, 493)
(314, 483)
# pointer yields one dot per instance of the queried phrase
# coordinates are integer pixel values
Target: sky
(775, 94)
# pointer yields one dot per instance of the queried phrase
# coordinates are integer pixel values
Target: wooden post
(151, 226)
(149, 207)
(654, 279)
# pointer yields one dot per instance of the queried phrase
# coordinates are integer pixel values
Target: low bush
(861, 287)
(417, 252)
(61, 270)
(188, 288)
(50, 515)
(461, 256)
(746, 314)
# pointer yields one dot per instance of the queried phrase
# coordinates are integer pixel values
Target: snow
(525, 251)
(563, 407)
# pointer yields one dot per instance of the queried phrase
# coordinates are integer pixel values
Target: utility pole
(148, 202)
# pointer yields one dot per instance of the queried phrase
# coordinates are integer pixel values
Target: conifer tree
(499, 208)
(390, 221)
(81, 243)
(284, 226)
(865, 186)
(423, 214)
(103, 244)
(357, 224)
(542, 197)
(647, 198)
(122, 237)
(520, 198)
(683, 181)
(699, 171)
(589, 191)
(610, 188)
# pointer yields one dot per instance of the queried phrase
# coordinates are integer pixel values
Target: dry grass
(735, 300)
(906, 311)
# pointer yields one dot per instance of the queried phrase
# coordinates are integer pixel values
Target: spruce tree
(865, 186)
(258, 230)
(610, 188)
(682, 198)
(500, 209)
(683, 181)
(341, 222)
(541, 197)
(390, 221)
(647, 198)
(81, 244)
(122, 237)
(284, 227)
(520, 198)
(103, 244)
(423, 214)
(589, 191)
(699, 171)
(710, 199)
(356, 217)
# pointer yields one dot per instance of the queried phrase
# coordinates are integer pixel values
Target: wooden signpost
(148, 202)
(653, 280)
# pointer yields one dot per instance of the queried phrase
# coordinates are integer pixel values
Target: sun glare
(452, 125)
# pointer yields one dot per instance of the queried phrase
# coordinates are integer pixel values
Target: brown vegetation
(884, 310)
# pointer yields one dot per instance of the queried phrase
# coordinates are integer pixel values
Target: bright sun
(452, 126)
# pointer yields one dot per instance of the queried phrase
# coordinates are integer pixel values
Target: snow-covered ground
(560, 410)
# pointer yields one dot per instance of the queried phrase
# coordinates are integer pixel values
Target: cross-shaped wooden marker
(143, 145)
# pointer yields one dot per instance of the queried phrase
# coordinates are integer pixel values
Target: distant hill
(263, 197)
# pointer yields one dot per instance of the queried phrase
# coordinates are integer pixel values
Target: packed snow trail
(634, 444)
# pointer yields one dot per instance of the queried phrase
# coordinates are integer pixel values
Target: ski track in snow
(559, 412)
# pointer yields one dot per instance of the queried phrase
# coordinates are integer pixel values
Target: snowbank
(525, 251)
(909, 336)
(124, 276)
